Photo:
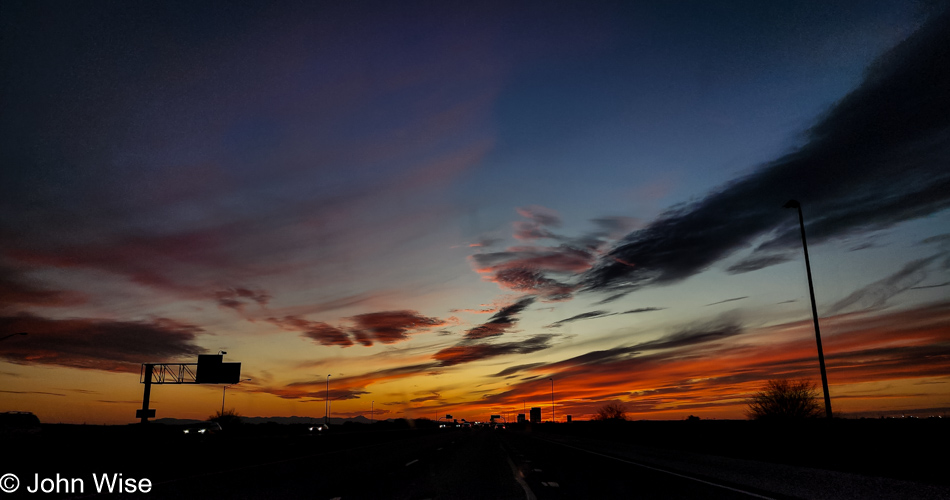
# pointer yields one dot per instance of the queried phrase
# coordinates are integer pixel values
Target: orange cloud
(710, 373)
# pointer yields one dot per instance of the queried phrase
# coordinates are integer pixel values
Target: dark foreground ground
(649, 459)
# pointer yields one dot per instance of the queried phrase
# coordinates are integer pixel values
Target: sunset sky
(443, 207)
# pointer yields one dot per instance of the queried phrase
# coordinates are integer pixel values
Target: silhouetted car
(202, 429)
(19, 424)
(318, 429)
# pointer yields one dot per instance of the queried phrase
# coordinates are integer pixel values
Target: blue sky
(443, 206)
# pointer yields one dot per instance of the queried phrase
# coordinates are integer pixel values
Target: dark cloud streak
(389, 327)
(467, 353)
(511, 370)
(17, 289)
(727, 300)
(876, 159)
(238, 297)
(579, 317)
(97, 344)
(318, 331)
(878, 293)
(501, 322)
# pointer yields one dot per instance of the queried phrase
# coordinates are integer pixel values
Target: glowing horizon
(445, 208)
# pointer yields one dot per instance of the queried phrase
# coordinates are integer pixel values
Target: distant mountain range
(279, 420)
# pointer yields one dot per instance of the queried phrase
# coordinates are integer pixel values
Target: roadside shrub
(226, 419)
(611, 412)
(785, 400)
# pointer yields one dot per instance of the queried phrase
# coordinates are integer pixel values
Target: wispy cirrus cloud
(389, 327)
(386, 327)
(643, 310)
(536, 227)
(38, 393)
(434, 396)
(923, 287)
(238, 297)
(18, 290)
(562, 259)
(600, 314)
(873, 160)
(755, 262)
(513, 370)
(532, 280)
(548, 271)
(877, 294)
(726, 300)
(691, 337)
(579, 317)
(715, 367)
(346, 387)
(501, 322)
(471, 352)
(322, 333)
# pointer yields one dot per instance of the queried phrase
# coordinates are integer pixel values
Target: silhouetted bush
(785, 400)
(226, 419)
(611, 412)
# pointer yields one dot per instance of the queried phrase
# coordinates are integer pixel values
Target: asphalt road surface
(448, 464)
(437, 464)
(455, 464)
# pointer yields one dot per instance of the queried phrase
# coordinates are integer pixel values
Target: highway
(453, 464)
(448, 464)
(433, 464)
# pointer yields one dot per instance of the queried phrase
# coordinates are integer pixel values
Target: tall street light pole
(814, 308)
(326, 404)
(552, 400)
(372, 412)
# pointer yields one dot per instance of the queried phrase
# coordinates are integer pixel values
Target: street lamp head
(792, 204)
(222, 352)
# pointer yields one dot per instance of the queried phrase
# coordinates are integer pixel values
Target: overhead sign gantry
(210, 369)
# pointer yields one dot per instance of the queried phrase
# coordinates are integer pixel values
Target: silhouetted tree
(785, 400)
(611, 411)
(226, 419)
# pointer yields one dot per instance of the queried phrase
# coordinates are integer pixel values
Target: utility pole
(326, 417)
(814, 308)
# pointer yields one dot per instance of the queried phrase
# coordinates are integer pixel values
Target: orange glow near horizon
(865, 355)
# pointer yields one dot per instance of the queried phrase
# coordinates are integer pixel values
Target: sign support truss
(210, 367)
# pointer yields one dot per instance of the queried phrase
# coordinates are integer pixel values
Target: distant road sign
(211, 370)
